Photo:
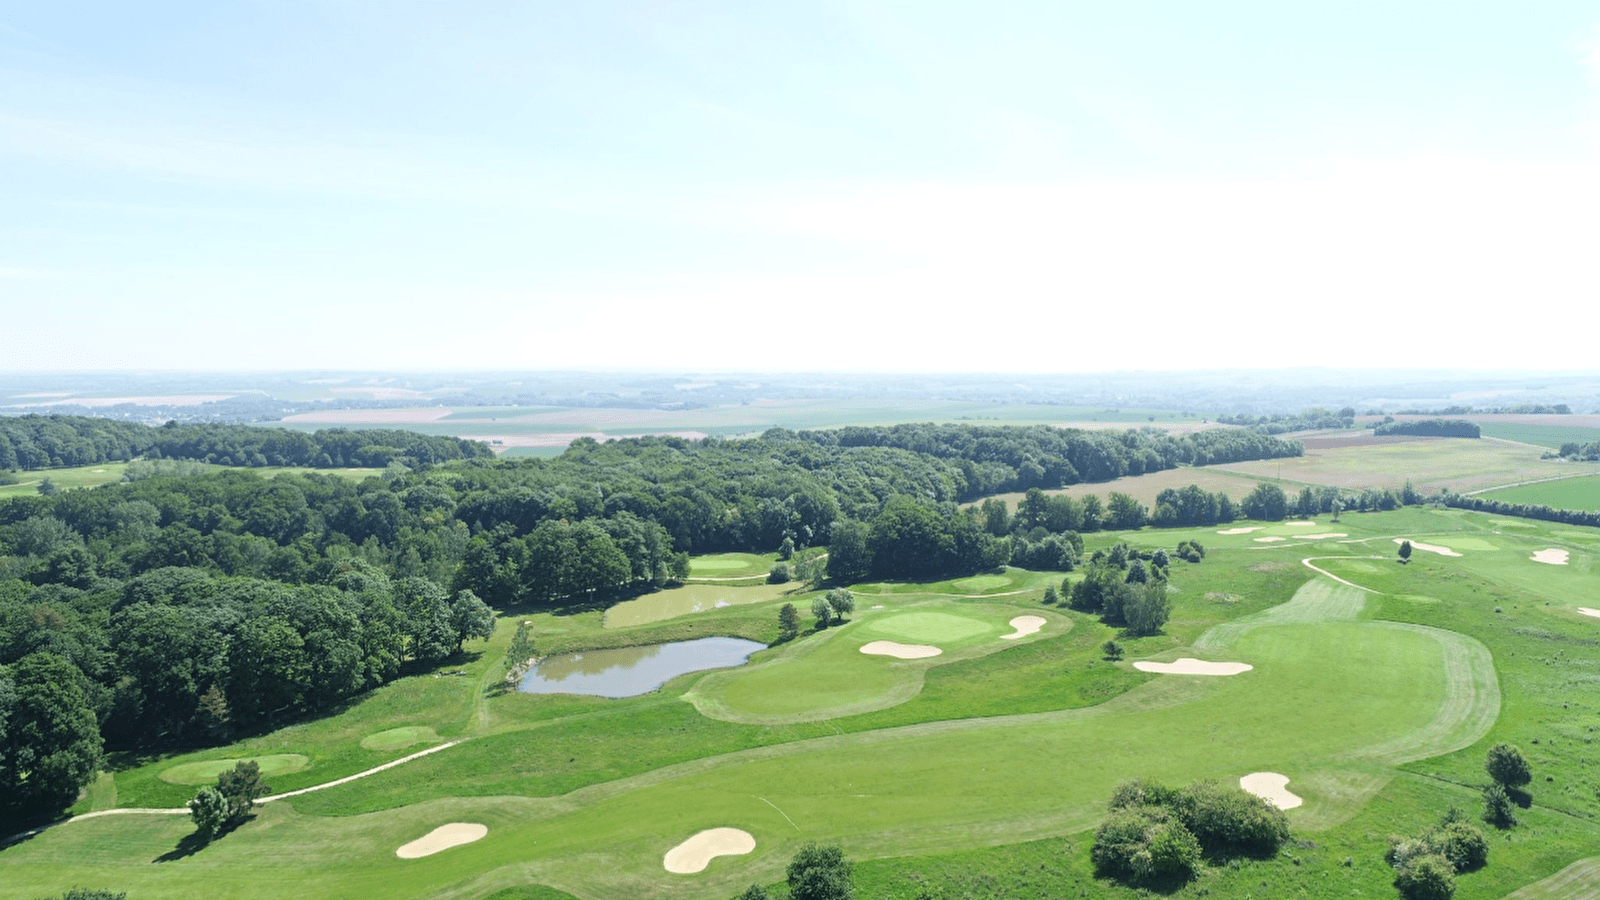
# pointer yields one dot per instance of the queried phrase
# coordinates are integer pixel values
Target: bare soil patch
(899, 650)
(442, 838)
(1271, 787)
(1190, 666)
(694, 854)
(1024, 625)
(1552, 557)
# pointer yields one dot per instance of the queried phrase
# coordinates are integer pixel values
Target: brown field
(1144, 488)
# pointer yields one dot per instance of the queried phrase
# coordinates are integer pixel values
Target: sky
(921, 186)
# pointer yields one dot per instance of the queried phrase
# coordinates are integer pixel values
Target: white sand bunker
(443, 838)
(1553, 557)
(1431, 548)
(1271, 787)
(1303, 523)
(1269, 540)
(696, 853)
(1241, 530)
(898, 651)
(1589, 612)
(1024, 625)
(1190, 666)
(1325, 534)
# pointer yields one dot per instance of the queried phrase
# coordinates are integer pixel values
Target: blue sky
(921, 186)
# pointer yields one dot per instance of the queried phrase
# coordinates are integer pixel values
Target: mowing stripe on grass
(1579, 881)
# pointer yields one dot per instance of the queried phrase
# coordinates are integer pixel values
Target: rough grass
(206, 771)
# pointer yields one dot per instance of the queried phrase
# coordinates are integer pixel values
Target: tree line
(43, 442)
(1430, 428)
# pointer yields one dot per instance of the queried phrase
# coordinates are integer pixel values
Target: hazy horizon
(1025, 187)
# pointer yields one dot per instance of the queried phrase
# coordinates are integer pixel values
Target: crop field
(979, 771)
(1581, 492)
(1460, 464)
(520, 430)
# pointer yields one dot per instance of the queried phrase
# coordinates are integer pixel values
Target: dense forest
(185, 606)
(1430, 428)
(42, 442)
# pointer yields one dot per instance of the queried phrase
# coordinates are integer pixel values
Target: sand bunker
(442, 838)
(696, 853)
(1589, 612)
(1024, 625)
(1431, 548)
(1271, 787)
(898, 651)
(1301, 524)
(1269, 540)
(1241, 530)
(1190, 666)
(1325, 534)
(1553, 557)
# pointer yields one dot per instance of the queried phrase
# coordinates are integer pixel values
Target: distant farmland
(1582, 492)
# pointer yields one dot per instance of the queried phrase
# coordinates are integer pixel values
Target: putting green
(206, 771)
(395, 738)
(927, 627)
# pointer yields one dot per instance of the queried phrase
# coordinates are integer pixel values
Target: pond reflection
(629, 671)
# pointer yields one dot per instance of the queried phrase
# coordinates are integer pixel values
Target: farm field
(976, 772)
(531, 428)
(1430, 464)
(72, 477)
(1579, 492)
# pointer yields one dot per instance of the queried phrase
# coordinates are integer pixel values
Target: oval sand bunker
(442, 838)
(898, 651)
(696, 853)
(1191, 666)
(1241, 530)
(1431, 548)
(1024, 625)
(1589, 612)
(1553, 557)
(1271, 787)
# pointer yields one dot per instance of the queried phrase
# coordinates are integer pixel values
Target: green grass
(1552, 436)
(66, 479)
(206, 771)
(1378, 704)
(1582, 492)
(396, 738)
(730, 565)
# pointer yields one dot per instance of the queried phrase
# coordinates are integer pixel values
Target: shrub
(1507, 766)
(1145, 843)
(1497, 807)
(820, 873)
(1427, 877)
(778, 574)
(1230, 821)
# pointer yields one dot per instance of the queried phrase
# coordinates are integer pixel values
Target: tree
(50, 744)
(1146, 608)
(1498, 809)
(47, 488)
(1112, 650)
(1405, 551)
(788, 622)
(241, 786)
(521, 654)
(778, 574)
(786, 549)
(1507, 766)
(754, 892)
(1051, 597)
(209, 812)
(823, 612)
(820, 873)
(842, 602)
(1266, 502)
(849, 554)
(470, 617)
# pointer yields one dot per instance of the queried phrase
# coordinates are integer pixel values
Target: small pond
(629, 671)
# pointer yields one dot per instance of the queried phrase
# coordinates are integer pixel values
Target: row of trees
(1522, 510)
(1430, 428)
(42, 442)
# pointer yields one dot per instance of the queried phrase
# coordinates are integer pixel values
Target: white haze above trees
(610, 184)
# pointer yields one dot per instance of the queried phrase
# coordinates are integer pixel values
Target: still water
(629, 671)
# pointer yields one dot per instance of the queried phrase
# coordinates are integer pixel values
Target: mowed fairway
(829, 676)
(1333, 701)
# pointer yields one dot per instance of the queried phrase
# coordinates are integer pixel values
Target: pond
(630, 671)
